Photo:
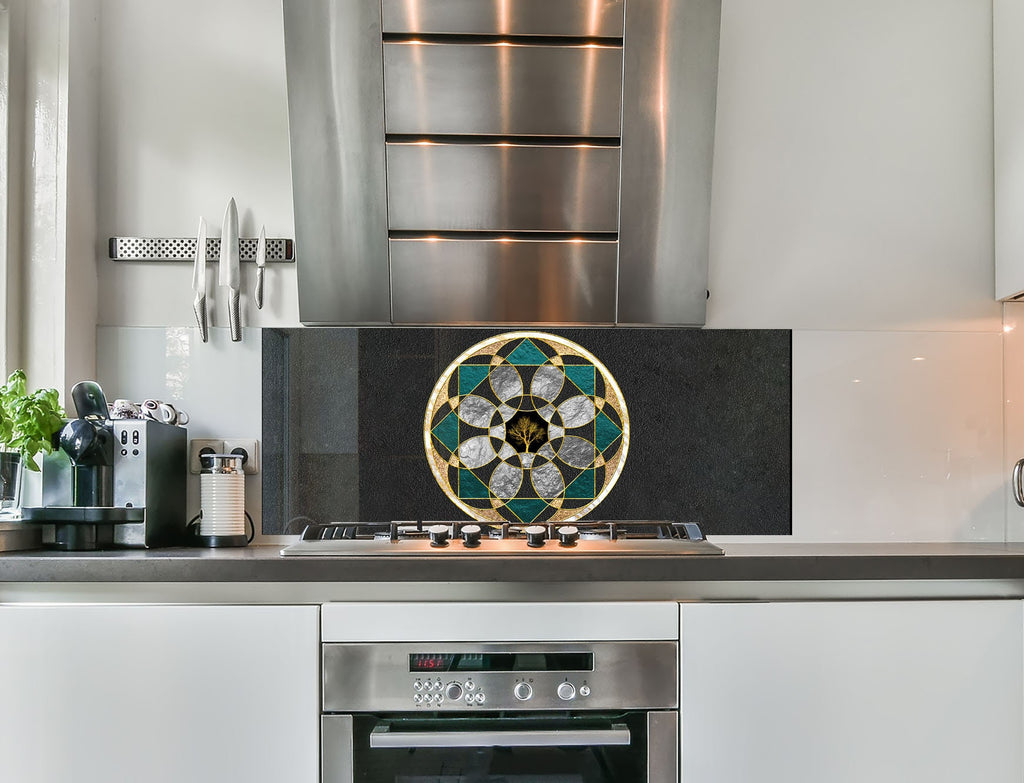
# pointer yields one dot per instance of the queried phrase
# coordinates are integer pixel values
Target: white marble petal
(554, 431)
(547, 480)
(546, 451)
(476, 411)
(506, 411)
(547, 412)
(497, 432)
(507, 452)
(547, 382)
(577, 411)
(476, 452)
(506, 480)
(506, 382)
(577, 452)
(527, 459)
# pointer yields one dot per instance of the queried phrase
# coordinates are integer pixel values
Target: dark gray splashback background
(710, 416)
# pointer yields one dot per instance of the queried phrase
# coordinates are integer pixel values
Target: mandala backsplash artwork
(526, 427)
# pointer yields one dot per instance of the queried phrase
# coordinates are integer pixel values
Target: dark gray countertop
(742, 563)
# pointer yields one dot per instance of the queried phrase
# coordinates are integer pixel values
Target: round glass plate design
(526, 427)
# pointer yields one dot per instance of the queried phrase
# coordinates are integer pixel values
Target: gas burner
(470, 538)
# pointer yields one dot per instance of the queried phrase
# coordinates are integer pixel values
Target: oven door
(631, 747)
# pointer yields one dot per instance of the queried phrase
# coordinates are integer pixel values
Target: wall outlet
(249, 448)
(198, 446)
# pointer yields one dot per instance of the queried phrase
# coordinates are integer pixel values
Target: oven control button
(438, 698)
(438, 535)
(566, 691)
(522, 691)
(568, 535)
(535, 535)
(584, 690)
(453, 692)
(470, 685)
(469, 698)
(471, 535)
(479, 698)
(417, 699)
(417, 686)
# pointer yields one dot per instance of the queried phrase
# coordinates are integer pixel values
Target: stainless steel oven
(518, 712)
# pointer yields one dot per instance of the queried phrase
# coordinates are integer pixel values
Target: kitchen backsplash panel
(710, 414)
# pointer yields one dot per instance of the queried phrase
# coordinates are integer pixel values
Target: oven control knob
(535, 535)
(568, 535)
(566, 691)
(453, 692)
(471, 535)
(438, 535)
(522, 691)
(584, 690)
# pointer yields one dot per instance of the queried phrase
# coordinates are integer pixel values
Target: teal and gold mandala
(526, 427)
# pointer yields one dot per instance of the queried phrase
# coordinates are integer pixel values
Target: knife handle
(234, 317)
(258, 294)
(199, 306)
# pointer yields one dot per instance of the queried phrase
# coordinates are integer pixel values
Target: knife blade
(229, 273)
(199, 282)
(261, 262)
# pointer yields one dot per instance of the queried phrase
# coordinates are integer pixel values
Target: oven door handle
(383, 737)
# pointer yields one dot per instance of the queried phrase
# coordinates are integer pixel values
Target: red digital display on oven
(430, 662)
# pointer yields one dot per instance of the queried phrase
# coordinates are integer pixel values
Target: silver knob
(453, 692)
(522, 691)
(566, 691)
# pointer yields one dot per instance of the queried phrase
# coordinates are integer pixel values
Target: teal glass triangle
(582, 488)
(470, 487)
(583, 376)
(447, 431)
(527, 509)
(527, 353)
(605, 432)
(470, 376)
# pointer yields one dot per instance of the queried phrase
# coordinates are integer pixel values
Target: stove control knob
(438, 535)
(522, 691)
(453, 692)
(568, 535)
(566, 691)
(471, 535)
(535, 535)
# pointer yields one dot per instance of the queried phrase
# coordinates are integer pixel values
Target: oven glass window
(482, 760)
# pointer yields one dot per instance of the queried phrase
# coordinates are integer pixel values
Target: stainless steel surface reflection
(596, 18)
(502, 187)
(336, 121)
(510, 281)
(668, 136)
(502, 89)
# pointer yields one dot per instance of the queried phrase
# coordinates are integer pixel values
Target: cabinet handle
(1018, 487)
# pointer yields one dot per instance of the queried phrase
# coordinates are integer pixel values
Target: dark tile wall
(710, 416)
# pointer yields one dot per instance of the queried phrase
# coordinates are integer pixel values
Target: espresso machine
(112, 483)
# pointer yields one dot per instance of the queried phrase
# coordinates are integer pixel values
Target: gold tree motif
(525, 431)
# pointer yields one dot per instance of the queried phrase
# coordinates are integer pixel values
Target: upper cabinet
(489, 162)
(1008, 108)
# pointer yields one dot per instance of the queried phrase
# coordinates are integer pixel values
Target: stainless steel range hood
(502, 161)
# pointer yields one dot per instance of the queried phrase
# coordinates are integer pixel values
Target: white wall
(852, 203)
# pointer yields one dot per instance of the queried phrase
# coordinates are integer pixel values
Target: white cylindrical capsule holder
(222, 495)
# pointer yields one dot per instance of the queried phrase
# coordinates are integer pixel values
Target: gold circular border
(437, 464)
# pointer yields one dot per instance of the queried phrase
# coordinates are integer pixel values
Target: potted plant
(28, 423)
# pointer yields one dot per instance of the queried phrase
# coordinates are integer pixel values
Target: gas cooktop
(633, 538)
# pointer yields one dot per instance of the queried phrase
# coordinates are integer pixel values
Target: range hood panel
(580, 132)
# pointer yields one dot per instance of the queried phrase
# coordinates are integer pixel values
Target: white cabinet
(161, 694)
(886, 692)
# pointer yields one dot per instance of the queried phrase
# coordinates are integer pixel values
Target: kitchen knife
(199, 281)
(261, 262)
(229, 275)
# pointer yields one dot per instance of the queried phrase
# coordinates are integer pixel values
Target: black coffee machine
(114, 482)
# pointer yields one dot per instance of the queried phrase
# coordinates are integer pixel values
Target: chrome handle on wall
(383, 737)
(1018, 487)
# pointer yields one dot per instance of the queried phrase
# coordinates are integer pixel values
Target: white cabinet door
(160, 694)
(881, 692)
